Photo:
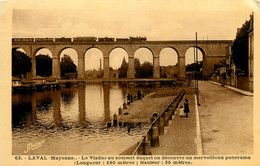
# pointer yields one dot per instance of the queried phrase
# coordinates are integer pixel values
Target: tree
(240, 48)
(123, 69)
(111, 69)
(43, 65)
(144, 70)
(21, 63)
(137, 63)
(67, 65)
(137, 67)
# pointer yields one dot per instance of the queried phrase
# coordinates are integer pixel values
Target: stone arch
(190, 65)
(86, 50)
(26, 49)
(203, 51)
(119, 47)
(90, 66)
(64, 48)
(74, 56)
(39, 48)
(116, 57)
(147, 47)
(18, 47)
(168, 69)
(29, 53)
(144, 47)
(174, 48)
(52, 70)
(142, 69)
(28, 74)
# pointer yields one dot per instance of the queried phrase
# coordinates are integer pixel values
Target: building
(93, 73)
(50, 80)
(16, 82)
(251, 54)
(114, 74)
(169, 71)
(231, 68)
(38, 80)
(233, 75)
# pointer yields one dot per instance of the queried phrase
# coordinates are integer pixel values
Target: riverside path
(226, 124)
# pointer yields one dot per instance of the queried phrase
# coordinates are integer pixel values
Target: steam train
(137, 38)
(84, 39)
(63, 39)
(80, 39)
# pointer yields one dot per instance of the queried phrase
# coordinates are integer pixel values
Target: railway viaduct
(213, 52)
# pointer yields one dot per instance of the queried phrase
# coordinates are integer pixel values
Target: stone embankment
(140, 111)
(163, 102)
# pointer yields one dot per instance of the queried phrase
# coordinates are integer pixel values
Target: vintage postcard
(129, 82)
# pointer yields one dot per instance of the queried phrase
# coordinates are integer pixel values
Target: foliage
(240, 48)
(21, 63)
(144, 70)
(123, 69)
(192, 67)
(137, 63)
(43, 65)
(67, 65)
(111, 69)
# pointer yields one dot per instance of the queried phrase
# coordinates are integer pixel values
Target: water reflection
(74, 116)
(34, 108)
(56, 95)
(106, 89)
(68, 94)
(82, 105)
(21, 103)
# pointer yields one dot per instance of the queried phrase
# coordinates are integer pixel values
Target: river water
(71, 120)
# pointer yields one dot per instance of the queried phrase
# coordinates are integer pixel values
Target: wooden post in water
(120, 111)
(108, 124)
(115, 120)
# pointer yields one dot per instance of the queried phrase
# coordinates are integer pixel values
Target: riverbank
(142, 110)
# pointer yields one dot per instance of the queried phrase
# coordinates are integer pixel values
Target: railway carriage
(106, 39)
(63, 39)
(122, 39)
(137, 38)
(43, 39)
(84, 39)
(23, 39)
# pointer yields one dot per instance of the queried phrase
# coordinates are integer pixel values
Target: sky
(155, 19)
